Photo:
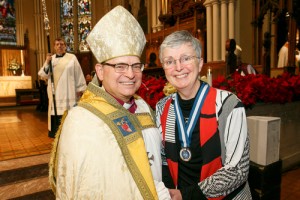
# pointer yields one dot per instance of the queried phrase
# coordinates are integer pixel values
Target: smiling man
(108, 146)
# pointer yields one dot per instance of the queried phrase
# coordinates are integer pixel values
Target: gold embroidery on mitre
(116, 34)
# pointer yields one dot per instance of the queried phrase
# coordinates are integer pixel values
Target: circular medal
(185, 154)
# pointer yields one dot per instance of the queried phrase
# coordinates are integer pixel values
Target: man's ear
(99, 71)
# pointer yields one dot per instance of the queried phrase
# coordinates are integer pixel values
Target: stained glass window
(7, 23)
(81, 18)
(84, 23)
(67, 23)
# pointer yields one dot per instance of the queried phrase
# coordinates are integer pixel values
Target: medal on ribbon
(185, 130)
(185, 154)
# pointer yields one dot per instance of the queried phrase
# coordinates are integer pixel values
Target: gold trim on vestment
(53, 158)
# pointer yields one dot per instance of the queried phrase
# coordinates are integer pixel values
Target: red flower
(252, 89)
(151, 89)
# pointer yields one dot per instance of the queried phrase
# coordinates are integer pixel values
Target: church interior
(265, 33)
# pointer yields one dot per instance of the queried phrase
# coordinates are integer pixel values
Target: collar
(59, 56)
(130, 106)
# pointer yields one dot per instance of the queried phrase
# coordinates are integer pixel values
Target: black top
(188, 172)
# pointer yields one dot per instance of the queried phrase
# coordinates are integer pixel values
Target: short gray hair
(178, 38)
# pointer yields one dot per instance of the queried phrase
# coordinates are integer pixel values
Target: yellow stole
(60, 67)
(127, 129)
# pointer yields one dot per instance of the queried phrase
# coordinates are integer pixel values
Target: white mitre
(116, 34)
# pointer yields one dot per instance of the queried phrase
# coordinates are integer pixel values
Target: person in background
(231, 59)
(88, 78)
(297, 55)
(205, 144)
(243, 68)
(152, 59)
(69, 83)
(108, 145)
(283, 55)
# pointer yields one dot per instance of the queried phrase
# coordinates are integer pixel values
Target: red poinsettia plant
(252, 89)
(151, 89)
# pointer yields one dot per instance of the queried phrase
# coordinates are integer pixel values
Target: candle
(22, 58)
(209, 76)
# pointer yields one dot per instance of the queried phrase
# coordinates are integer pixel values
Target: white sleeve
(162, 191)
(79, 76)
(42, 72)
(152, 143)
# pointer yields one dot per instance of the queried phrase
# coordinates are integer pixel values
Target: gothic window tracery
(76, 23)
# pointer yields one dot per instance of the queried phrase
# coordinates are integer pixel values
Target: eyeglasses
(123, 67)
(170, 62)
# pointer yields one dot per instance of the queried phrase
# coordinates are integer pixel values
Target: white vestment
(90, 163)
(297, 58)
(283, 56)
(70, 82)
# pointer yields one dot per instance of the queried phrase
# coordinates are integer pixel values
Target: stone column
(209, 32)
(158, 10)
(149, 16)
(19, 23)
(162, 7)
(153, 16)
(107, 6)
(224, 27)
(231, 22)
(135, 6)
(55, 19)
(216, 31)
(41, 44)
(273, 42)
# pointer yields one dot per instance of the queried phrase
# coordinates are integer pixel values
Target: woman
(205, 146)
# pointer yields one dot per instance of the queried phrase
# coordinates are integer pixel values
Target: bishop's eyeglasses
(170, 62)
(123, 67)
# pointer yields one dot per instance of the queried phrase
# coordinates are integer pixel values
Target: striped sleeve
(235, 145)
(159, 111)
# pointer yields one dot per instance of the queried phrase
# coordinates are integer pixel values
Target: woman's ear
(99, 71)
(200, 64)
